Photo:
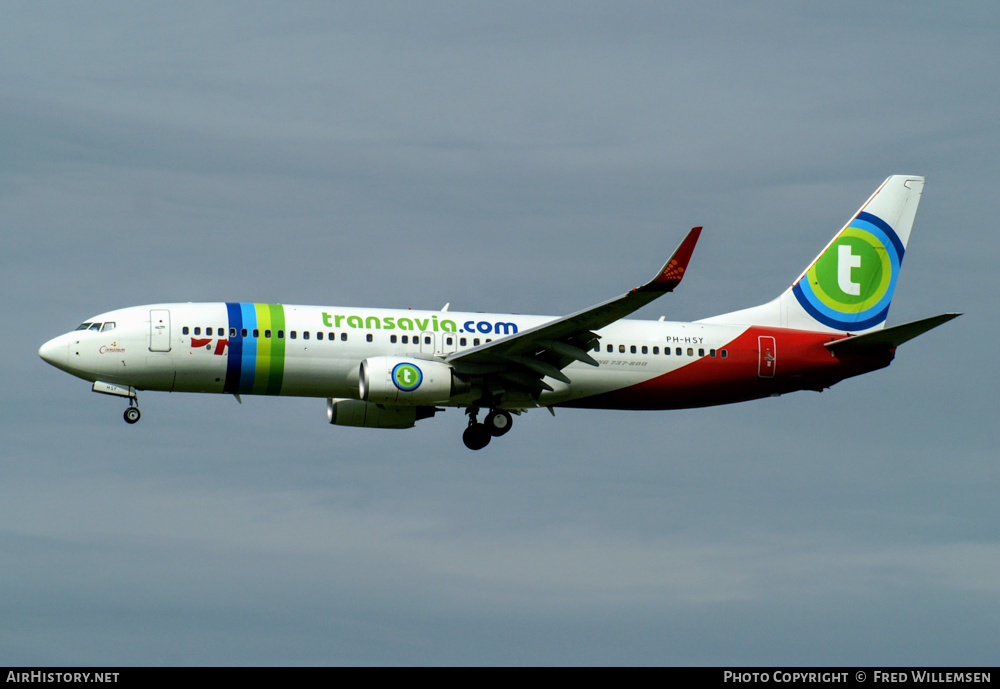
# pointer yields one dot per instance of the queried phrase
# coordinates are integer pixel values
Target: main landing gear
(478, 435)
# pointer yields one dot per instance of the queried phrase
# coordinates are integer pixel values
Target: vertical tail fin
(849, 286)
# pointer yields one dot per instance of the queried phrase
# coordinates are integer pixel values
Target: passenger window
(369, 337)
(291, 334)
(656, 350)
(449, 341)
(256, 332)
(232, 332)
(462, 342)
(725, 354)
(711, 353)
(221, 332)
(343, 337)
(281, 334)
(393, 338)
(305, 335)
(690, 351)
(621, 349)
(243, 332)
(632, 349)
(110, 325)
(185, 330)
(611, 348)
(406, 339)
(701, 352)
(475, 342)
(319, 335)
(197, 331)
(267, 334)
(645, 349)
(678, 351)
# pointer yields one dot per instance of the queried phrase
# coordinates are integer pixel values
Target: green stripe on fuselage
(263, 366)
(276, 353)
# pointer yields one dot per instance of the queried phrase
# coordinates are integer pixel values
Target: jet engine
(404, 382)
(345, 412)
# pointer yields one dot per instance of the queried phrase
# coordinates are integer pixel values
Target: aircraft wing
(527, 357)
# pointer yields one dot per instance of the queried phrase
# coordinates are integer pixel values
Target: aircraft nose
(55, 352)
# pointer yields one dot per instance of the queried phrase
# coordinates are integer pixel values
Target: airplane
(389, 368)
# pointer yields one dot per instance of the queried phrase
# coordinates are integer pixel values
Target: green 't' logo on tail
(850, 285)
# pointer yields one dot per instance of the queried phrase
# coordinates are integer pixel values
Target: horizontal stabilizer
(888, 338)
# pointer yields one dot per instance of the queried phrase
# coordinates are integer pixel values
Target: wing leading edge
(524, 359)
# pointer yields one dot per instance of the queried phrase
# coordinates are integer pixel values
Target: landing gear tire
(132, 415)
(476, 436)
(498, 422)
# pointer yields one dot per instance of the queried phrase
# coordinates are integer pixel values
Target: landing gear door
(766, 365)
(159, 330)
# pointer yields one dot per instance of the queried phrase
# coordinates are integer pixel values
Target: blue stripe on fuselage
(249, 363)
(235, 357)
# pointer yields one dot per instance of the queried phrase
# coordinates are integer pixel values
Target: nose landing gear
(132, 414)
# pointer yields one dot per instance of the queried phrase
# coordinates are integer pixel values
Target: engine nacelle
(344, 412)
(398, 381)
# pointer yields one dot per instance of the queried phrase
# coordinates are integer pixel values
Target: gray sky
(525, 157)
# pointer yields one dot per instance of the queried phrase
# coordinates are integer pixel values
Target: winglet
(673, 270)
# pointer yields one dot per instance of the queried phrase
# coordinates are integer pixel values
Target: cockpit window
(97, 327)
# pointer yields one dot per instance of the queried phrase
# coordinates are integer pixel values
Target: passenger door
(159, 330)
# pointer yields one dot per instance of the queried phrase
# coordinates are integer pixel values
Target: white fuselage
(318, 351)
(314, 351)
